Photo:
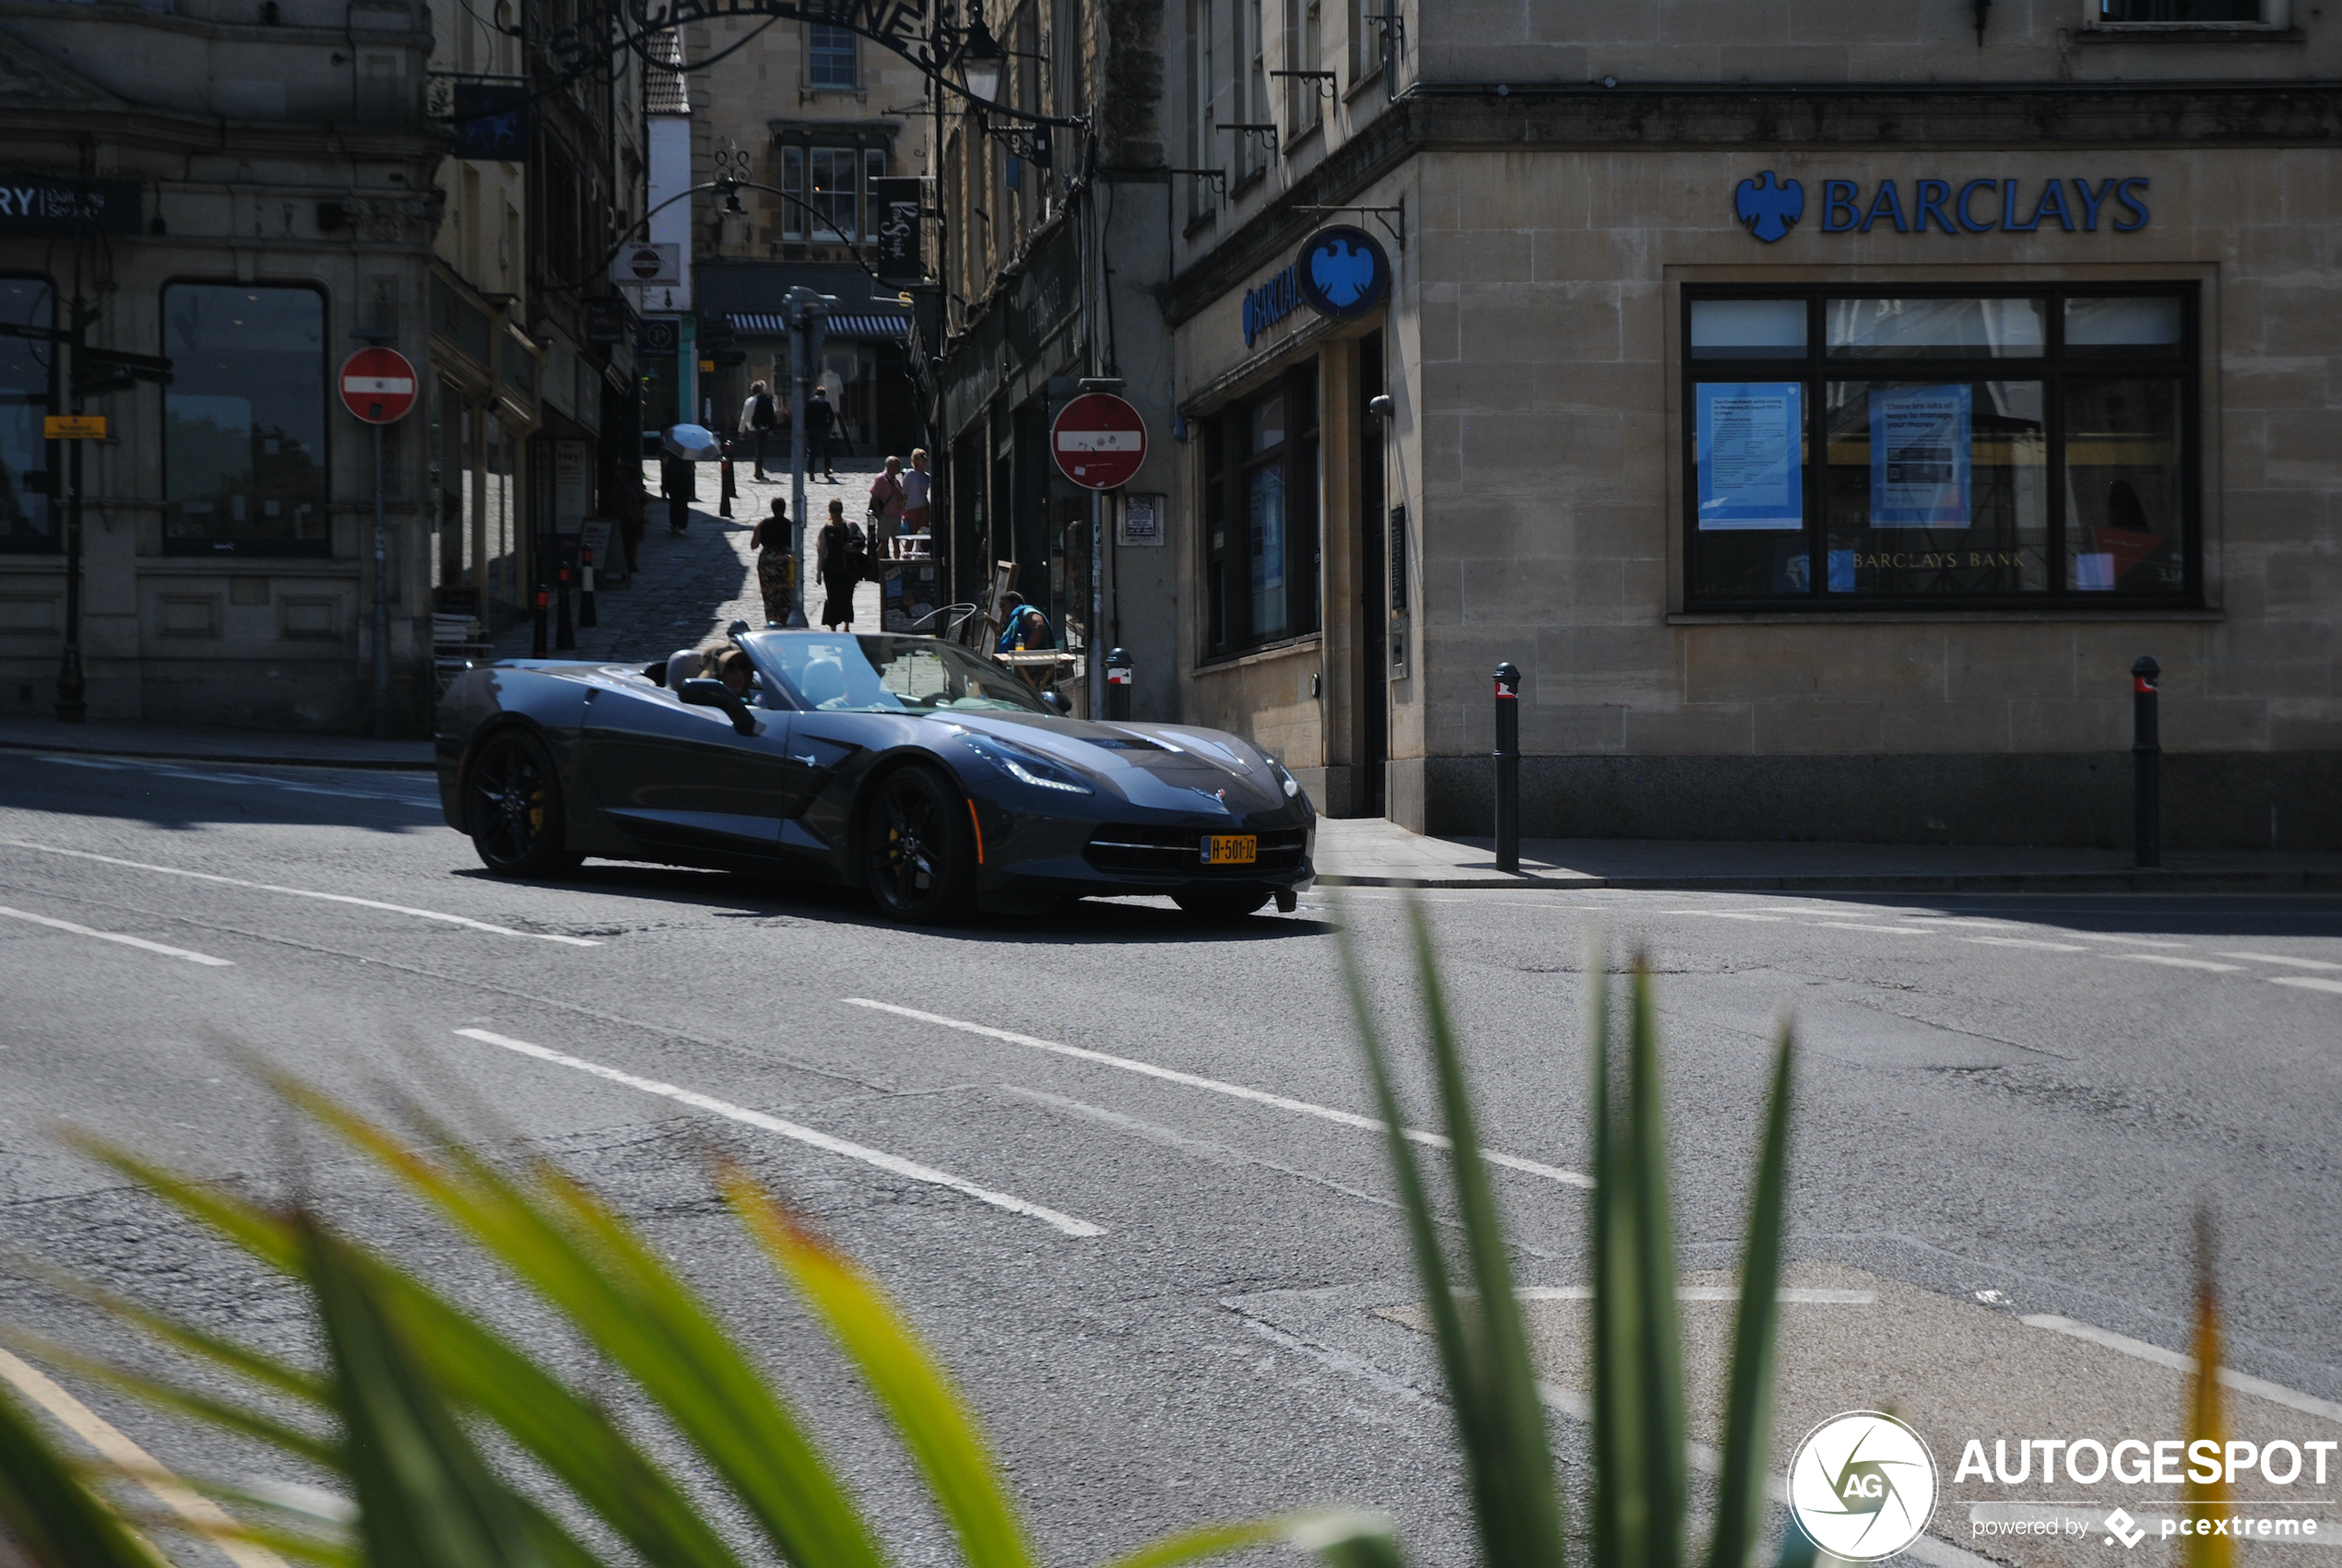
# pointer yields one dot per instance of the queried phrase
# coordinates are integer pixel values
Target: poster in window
(1919, 449)
(1751, 470)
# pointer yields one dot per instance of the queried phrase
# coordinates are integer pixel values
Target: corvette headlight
(1291, 786)
(1025, 767)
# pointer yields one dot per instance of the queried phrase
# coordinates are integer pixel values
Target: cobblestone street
(691, 585)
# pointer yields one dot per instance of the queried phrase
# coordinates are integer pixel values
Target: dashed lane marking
(1217, 1086)
(2177, 962)
(2306, 983)
(2244, 1382)
(163, 949)
(2026, 942)
(2280, 958)
(303, 893)
(867, 1155)
(203, 1515)
(1859, 926)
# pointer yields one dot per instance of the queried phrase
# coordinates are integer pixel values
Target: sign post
(378, 387)
(1100, 442)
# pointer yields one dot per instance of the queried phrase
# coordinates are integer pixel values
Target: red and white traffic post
(378, 387)
(1099, 441)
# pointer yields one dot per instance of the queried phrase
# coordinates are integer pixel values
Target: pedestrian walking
(820, 420)
(759, 418)
(918, 493)
(678, 479)
(887, 499)
(776, 565)
(838, 566)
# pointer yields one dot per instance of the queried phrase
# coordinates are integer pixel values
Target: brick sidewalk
(688, 587)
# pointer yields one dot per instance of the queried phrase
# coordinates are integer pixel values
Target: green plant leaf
(1748, 1403)
(928, 1415)
(1522, 1505)
(168, 1395)
(1347, 1537)
(426, 1498)
(581, 1259)
(282, 1376)
(47, 1513)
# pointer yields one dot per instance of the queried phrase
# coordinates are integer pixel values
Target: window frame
(52, 542)
(814, 51)
(1228, 463)
(277, 548)
(2053, 368)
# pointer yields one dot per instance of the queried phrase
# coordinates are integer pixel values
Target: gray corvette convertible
(904, 765)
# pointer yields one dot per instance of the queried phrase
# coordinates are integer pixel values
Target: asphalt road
(1173, 1298)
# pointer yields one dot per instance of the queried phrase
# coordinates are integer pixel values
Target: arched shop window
(25, 397)
(243, 439)
(1953, 447)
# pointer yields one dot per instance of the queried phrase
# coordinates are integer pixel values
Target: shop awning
(768, 325)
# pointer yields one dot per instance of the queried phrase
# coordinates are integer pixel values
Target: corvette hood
(1168, 766)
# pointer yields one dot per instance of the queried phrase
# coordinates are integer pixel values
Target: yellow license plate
(1231, 849)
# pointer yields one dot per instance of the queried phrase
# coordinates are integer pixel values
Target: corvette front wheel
(918, 850)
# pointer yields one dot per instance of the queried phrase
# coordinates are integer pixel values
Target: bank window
(244, 440)
(26, 523)
(1260, 517)
(1954, 448)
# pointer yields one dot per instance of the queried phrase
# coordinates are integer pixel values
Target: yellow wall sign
(72, 427)
(708, 366)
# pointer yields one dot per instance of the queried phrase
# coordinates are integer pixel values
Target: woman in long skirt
(839, 568)
(774, 565)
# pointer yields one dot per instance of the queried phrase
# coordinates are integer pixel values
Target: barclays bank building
(1822, 405)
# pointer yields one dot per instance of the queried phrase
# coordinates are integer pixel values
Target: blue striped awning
(770, 324)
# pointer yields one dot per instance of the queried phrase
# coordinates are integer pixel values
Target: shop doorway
(1371, 723)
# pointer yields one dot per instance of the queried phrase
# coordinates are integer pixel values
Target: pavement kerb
(240, 759)
(2174, 882)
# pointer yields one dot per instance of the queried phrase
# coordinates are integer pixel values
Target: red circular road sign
(378, 385)
(1099, 440)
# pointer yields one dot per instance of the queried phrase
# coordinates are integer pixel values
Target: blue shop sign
(1769, 207)
(1341, 272)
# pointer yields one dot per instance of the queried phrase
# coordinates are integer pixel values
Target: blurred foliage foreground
(414, 1393)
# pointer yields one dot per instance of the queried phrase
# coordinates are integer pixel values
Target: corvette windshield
(897, 675)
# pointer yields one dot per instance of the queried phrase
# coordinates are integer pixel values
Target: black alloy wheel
(918, 854)
(516, 808)
(1218, 904)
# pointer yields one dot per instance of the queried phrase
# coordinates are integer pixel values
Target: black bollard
(585, 615)
(1118, 672)
(1508, 769)
(564, 630)
(536, 649)
(2146, 767)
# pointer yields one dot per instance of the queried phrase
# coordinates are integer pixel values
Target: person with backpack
(759, 417)
(821, 419)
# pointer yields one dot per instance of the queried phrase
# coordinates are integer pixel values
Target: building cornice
(1741, 117)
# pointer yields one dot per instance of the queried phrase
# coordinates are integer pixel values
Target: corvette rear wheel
(517, 808)
(1217, 904)
(918, 854)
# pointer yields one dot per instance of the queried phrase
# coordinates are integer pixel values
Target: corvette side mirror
(705, 694)
(1055, 700)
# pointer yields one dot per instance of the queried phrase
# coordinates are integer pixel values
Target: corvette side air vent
(1124, 847)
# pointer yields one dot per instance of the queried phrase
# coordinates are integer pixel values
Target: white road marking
(1789, 1295)
(2026, 942)
(203, 1515)
(2260, 1388)
(303, 893)
(1726, 913)
(869, 1156)
(2280, 958)
(2179, 962)
(1858, 925)
(117, 937)
(2306, 983)
(1234, 1091)
(2127, 941)
(1965, 920)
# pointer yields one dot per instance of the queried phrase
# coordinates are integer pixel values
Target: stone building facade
(1822, 405)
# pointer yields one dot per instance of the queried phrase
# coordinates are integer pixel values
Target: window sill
(1199, 223)
(1256, 177)
(1314, 131)
(1351, 93)
(2189, 32)
(1909, 616)
(1306, 643)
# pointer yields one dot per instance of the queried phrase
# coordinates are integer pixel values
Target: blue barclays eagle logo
(1769, 209)
(1344, 271)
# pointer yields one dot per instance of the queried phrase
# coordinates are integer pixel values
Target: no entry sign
(378, 385)
(1099, 440)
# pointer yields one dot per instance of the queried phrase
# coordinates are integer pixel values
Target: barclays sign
(1768, 207)
(1341, 272)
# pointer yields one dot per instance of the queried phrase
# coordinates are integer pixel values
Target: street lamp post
(807, 323)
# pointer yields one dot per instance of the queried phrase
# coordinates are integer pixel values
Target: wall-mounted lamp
(1179, 428)
(1383, 407)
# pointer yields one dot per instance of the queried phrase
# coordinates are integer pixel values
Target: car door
(670, 775)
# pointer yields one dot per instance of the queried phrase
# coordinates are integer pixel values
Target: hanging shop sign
(1339, 272)
(1768, 205)
(492, 122)
(901, 249)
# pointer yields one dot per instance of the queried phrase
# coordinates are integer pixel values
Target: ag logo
(1770, 207)
(1863, 1486)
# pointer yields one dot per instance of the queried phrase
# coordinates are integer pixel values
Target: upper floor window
(826, 190)
(2192, 13)
(830, 55)
(1941, 447)
(25, 366)
(243, 421)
